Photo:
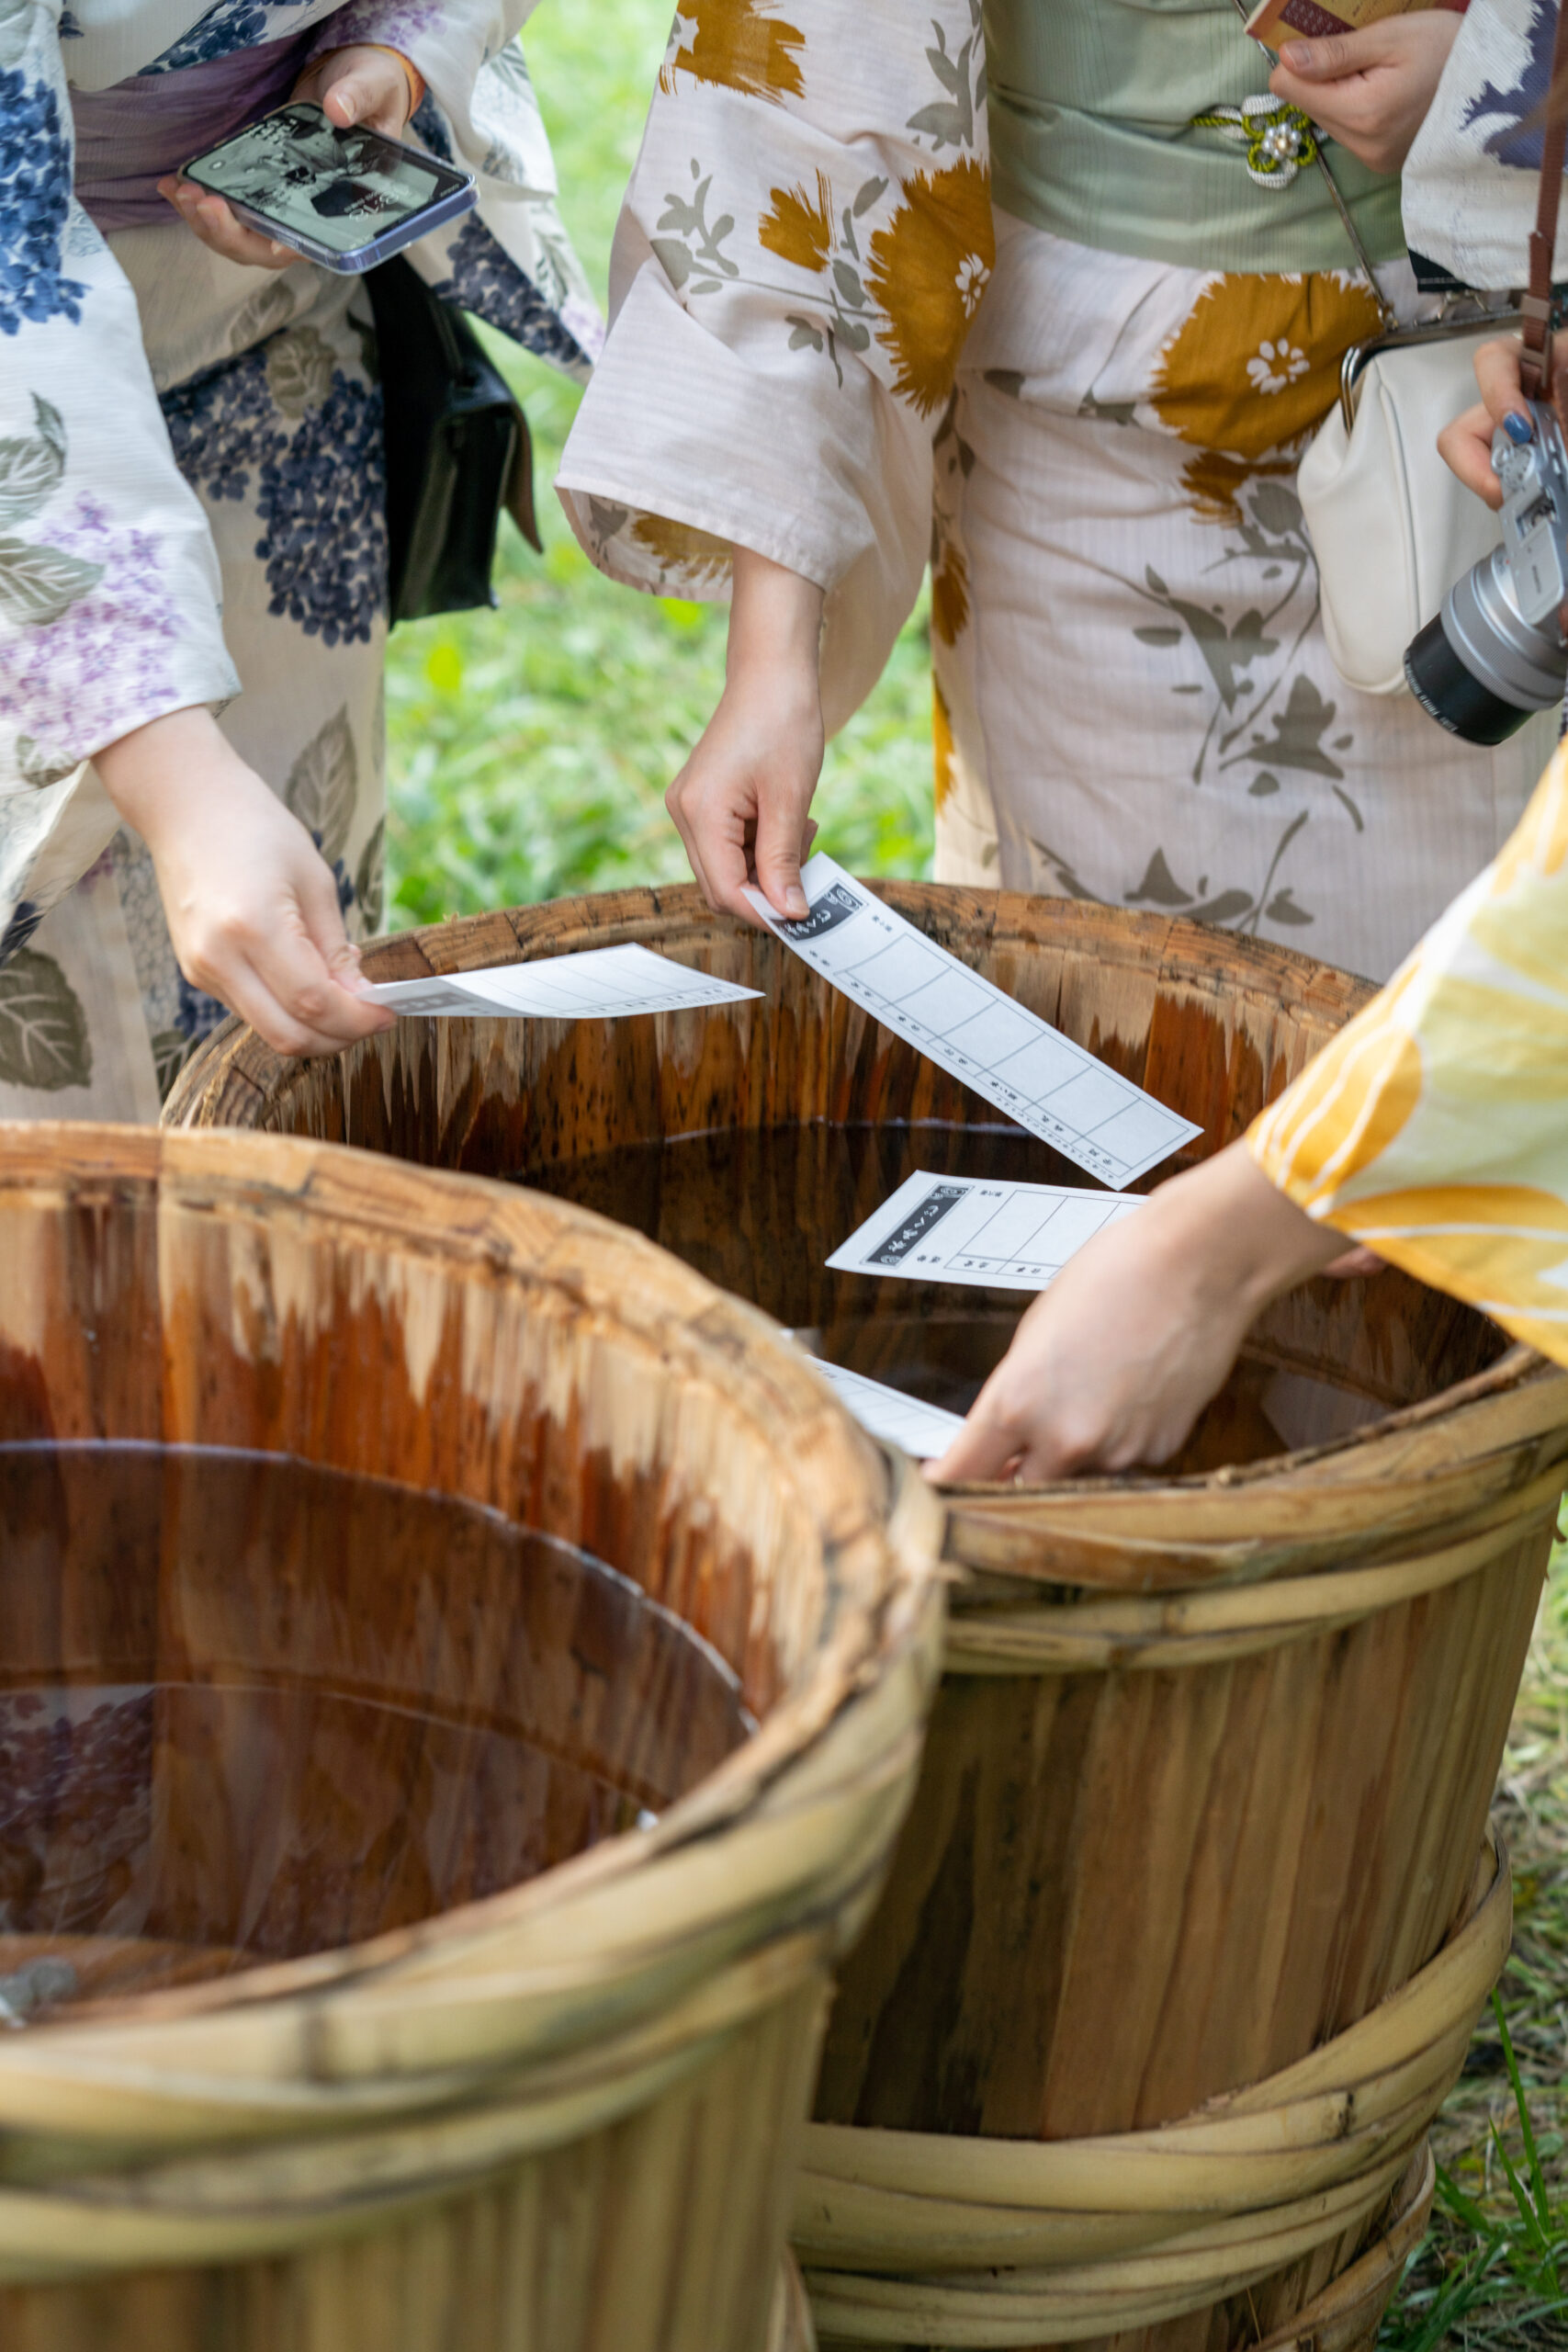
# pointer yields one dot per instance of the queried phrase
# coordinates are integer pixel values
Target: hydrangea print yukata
(829, 342)
(192, 503)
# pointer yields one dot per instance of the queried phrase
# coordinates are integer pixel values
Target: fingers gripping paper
(598, 984)
(960, 1229)
(969, 1027)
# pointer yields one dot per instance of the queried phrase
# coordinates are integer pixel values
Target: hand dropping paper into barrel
(955, 1228)
(960, 1229)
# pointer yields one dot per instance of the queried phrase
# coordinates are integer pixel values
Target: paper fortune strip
(596, 984)
(922, 1429)
(960, 1229)
(968, 1026)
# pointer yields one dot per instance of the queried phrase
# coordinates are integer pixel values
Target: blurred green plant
(529, 749)
(1502, 2281)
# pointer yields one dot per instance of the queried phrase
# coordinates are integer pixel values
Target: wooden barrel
(377, 1545)
(1211, 1762)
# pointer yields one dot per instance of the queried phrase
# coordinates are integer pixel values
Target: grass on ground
(1492, 2276)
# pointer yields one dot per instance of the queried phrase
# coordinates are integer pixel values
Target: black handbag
(458, 444)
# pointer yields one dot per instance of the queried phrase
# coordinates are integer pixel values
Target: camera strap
(1536, 368)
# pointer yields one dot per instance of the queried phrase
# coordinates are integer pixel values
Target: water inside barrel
(759, 1210)
(251, 1708)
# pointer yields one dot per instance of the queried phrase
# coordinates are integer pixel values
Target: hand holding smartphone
(347, 200)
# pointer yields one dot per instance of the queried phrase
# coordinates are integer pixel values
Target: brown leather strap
(1536, 361)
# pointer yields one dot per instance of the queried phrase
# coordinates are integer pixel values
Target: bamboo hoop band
(1093, 2236)
(1345, 2316)
(1153, 1633)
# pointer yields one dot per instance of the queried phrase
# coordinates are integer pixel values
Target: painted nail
(1518, 428)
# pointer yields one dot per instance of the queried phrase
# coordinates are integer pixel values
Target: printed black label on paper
(915, 1228)
(834, 907)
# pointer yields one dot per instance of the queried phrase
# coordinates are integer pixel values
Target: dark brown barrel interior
(251, 1708)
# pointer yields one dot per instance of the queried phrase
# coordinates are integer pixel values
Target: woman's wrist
(148, 771)
(775, 624)
(1233, 1236)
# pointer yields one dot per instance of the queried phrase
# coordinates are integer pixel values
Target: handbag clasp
(1461, 314)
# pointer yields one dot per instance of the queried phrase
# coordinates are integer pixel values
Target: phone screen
(341, 189)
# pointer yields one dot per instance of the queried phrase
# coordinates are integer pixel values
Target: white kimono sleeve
(805, 240)
(1471, 180)
(109, 582)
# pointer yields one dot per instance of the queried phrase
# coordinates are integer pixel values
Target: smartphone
(346, 199)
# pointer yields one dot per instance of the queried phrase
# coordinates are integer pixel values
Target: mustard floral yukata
(1435, 1128)
(1082, 395)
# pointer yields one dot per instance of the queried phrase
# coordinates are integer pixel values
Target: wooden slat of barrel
(623, 2045)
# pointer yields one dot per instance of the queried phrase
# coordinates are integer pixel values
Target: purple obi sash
(130, 137)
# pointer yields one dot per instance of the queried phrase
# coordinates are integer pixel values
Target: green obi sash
(1125, 125)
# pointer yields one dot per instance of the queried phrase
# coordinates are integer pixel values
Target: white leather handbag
(1390, 526)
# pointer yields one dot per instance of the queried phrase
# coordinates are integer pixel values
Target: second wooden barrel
(1210, 1767)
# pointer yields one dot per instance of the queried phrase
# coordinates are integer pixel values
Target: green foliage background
(529, 748)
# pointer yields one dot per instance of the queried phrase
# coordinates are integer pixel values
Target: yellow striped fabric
(1435, 1128)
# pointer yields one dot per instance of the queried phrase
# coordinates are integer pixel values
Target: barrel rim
(1194, 951)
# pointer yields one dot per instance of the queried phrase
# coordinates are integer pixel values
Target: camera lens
(1481, 668)
(1452, 695)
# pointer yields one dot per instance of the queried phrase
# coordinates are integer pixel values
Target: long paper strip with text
(920, 1428)
(970, 1028)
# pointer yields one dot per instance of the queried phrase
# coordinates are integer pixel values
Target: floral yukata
(1082, 394)
(192, 485)
(1435, 1128)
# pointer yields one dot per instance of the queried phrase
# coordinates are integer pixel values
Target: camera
(1495, 653)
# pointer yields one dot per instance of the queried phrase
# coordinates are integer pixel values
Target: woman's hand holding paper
(252, 907)
(1113, 1364)
(741, 803)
